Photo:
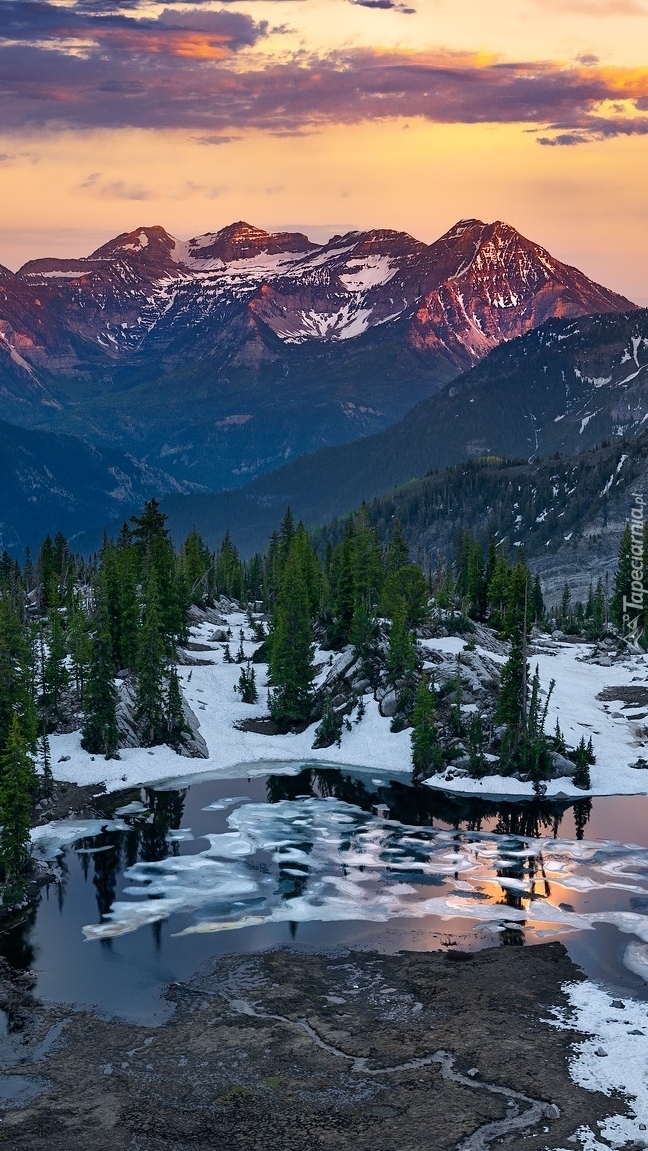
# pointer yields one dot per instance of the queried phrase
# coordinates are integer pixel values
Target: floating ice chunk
(134, 808)
(229, 845)
(94, 850)
(222, 804)
(180, 835)
(50, 839)
(635, 958)
(126, 917)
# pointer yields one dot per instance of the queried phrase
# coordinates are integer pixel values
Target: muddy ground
(290, 1052)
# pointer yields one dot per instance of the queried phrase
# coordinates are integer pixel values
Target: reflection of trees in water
(156, 930)
(15, 942)
(417, 805)
(293, 876)
(320, 783)
(582, 812)
(529, 820)
(167, 809)
(512, 937)
(105, 878)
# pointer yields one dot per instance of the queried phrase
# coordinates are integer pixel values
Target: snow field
(613, 1059)
(209, 690)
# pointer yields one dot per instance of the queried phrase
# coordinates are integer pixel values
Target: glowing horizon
(361, 113)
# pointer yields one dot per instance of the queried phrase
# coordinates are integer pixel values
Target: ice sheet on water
(309, 859)
(134, 808)
(50, 839)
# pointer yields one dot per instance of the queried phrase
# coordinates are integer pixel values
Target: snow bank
(619, 734)
(209, 690)
(613, 1059)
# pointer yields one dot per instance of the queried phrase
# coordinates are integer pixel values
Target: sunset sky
(326, 115)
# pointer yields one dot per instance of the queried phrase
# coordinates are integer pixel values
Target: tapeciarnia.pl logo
(633, 605)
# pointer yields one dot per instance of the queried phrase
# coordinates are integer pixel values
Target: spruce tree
(151, 671)
(176, 725)
(228, 576)
(80, 645)
(398, 553)
(16, 787)
(582, 760)
(247, 685)
(343, 588)
(17, 679)
(408, 588)
(329, 729)
(56, 677)
(46, 779)
(291, 647)
(427, 757)
(401, 654)
(100, 734)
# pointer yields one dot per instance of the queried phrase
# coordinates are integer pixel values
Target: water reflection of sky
(306, 860)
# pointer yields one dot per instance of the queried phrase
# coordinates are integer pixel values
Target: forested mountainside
(567, 513)
(565, 387)
(51, 479)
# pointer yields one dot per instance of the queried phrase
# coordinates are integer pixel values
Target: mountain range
(222, 357)
(164, 367)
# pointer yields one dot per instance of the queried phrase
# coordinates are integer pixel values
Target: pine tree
(198, 564)
(329, 729)
(17, 678)
(16, 787)
(247, 685)
(80, 647)
(56, 677)
(343, 588)
(622, 578)
(406, 587)
(497, 590)
(477, 765)
(228, 574)
(401, 654)
(398, 553)
(582, 760)
(565, 616)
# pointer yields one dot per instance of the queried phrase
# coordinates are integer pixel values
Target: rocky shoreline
(286, 1051)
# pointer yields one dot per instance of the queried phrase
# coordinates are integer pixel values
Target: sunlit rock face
(477, 285)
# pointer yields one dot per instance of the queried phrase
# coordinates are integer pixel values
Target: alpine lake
(319, 858)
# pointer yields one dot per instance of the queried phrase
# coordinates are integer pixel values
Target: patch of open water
(328, 858)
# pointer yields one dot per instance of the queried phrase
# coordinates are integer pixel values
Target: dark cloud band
(188, 69)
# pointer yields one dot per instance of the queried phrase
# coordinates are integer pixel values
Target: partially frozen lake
(323, 858)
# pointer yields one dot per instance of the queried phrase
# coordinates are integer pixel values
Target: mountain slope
(53, 483)
(222, 357)
(569, 513)
(565, 387)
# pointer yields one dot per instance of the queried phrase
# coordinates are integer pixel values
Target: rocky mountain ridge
(461, 295)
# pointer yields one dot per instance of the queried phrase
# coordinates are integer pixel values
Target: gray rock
(388, 704)
(561, 766)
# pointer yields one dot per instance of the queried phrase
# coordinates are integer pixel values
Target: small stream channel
(327, 858)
